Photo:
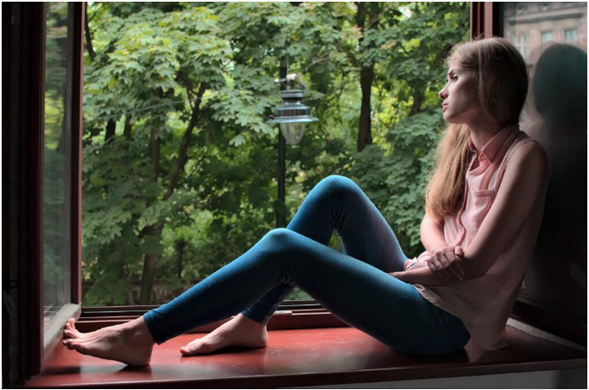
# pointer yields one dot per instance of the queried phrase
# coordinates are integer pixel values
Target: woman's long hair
(501, 78)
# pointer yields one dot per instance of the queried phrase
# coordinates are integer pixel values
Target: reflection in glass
(57, 152)
(555, 115)
(570, 35)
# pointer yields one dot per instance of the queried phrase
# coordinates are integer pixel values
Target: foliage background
(179, 164)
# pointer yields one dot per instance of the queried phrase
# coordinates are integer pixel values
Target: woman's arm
(523, 181)
(432, 233)
(421, 274)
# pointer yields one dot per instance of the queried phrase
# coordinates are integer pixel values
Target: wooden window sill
(304, 357)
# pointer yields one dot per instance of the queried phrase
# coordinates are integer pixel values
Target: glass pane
(57, 175)
(555, 115)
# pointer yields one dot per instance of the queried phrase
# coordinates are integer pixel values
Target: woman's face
(460, 100)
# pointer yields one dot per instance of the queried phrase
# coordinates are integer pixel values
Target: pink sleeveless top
(484, 304)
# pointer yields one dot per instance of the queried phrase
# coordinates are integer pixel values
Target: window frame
(52, 333)
(23, 271)
(485, 21)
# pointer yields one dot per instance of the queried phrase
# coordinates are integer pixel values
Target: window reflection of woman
(481, 221)
(557, 108)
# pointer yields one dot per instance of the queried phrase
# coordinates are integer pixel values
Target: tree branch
(182, 152)
(88, 36)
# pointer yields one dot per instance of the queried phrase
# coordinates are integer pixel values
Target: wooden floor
(303, 357)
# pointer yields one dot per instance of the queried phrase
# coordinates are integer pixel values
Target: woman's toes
(68, 343)
(199, 346)
(70, 334)
(71, 322)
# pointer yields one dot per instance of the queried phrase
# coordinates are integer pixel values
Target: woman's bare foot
(129, 343)
(239, 331)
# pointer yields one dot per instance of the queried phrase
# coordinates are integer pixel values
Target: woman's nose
(442, 94)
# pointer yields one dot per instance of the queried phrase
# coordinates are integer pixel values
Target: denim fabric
(354, 286)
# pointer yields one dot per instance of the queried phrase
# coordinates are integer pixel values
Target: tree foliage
(179, 162)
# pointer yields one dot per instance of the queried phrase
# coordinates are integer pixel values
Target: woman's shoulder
(529, 151)
(528, 158)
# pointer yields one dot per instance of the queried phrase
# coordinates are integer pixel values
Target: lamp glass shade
(293, 132)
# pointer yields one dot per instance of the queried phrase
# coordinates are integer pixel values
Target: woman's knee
(280, 235)
(338, 187)
(280, 244)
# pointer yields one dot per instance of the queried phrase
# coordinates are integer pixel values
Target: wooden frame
(484, 22)
(77, 119)
(10, 40)
(30, 227)
(52, 334)
(23, 267)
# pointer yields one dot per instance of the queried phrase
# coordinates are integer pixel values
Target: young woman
(484, 206)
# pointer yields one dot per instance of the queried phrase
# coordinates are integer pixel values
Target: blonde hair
(501, 79)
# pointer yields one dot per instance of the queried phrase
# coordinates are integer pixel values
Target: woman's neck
(481, 133)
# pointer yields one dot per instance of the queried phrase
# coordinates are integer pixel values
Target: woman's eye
(454, 77)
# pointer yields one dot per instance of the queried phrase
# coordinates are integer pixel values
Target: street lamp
(292, 117)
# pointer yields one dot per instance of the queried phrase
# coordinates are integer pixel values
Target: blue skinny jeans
(355, 286)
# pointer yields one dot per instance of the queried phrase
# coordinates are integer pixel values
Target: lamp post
(292, 117)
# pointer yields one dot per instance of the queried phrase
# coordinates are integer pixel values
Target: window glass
(555, 115)
(547, 36)
(57, 160)
(570, 35)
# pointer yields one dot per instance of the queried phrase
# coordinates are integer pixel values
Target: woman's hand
(444, 262)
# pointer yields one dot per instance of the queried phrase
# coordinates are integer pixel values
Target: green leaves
(396, 182)
(237, 140)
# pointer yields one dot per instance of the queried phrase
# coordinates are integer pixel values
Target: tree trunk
(127, 130)
(149, 261)
(154, 231)
(365, 122)
(418, 99)
(180, 245)
(88, 44)
(366, 79)
(110, 130)
(154, 154)
(418, 92)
